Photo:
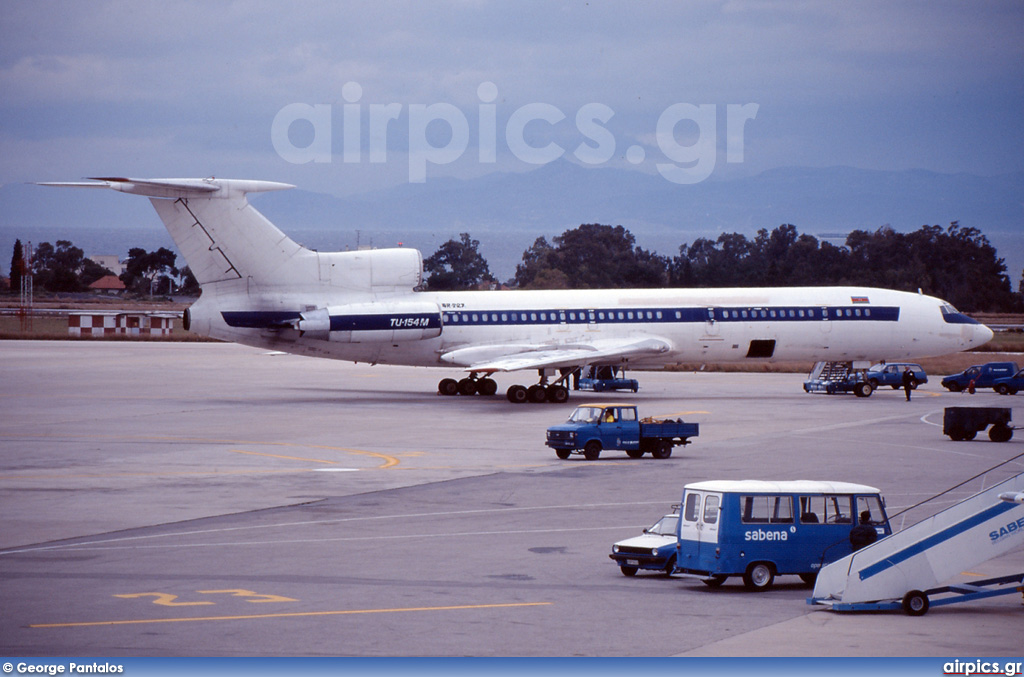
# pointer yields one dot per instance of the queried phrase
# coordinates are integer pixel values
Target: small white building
(109, 261)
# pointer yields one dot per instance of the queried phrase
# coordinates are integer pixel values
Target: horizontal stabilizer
(222, 237)
(175, 188)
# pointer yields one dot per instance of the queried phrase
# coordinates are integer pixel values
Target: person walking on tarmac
(908, 382)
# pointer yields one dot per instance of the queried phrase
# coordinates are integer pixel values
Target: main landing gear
(541, 392)
(555, 393)
(471, 385)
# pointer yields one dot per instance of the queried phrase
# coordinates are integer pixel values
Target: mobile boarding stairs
(903, 569)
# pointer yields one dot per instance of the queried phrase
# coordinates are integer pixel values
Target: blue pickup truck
(593, 428)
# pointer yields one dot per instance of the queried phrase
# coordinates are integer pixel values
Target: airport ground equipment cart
(604, 379)
(963, 423)
(593, 428)
(838, 377)
(904, 570)
(917, 602)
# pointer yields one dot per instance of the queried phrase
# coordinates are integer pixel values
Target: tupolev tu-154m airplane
(260, 288)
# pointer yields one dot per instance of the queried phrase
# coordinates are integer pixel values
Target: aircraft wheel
(467, 386)
(516, 394)
(557, 394)
(536, 393)
(448, 387)
(486, 387)
(915, 603)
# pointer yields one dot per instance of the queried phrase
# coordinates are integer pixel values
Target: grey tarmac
(203, 499)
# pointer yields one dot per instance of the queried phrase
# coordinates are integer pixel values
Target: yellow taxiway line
(297, 614)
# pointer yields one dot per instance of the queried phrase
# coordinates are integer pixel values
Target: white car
(655, 549)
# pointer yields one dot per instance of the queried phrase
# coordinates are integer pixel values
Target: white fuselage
(703, 325)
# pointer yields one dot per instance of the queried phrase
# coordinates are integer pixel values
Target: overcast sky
(260, 89)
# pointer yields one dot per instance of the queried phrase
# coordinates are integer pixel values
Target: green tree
(457, 265)
(189, 284)
(142, 268)
(729, 261)
(591, 256)
(956, 264)
(56, 269)
(17, 266)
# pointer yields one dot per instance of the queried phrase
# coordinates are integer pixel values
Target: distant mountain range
(508, 211)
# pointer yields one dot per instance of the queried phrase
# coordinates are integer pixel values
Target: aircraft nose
(982, 335)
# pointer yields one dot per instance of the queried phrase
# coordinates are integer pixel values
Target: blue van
(759, 530)
(981, 375)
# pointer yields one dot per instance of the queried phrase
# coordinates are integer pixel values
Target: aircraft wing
(513, 357)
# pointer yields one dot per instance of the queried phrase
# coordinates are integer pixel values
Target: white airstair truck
(903, 570)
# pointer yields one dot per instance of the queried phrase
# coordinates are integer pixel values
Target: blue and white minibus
(760, 529)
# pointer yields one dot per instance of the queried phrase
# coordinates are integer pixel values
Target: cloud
(873, 84)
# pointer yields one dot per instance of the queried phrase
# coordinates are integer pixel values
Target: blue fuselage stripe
(262, 319)
(674, 315)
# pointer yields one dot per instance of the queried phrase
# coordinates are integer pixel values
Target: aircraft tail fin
(222, 237)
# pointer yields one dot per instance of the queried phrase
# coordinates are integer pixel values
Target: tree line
(955, 263)
(64, 268)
